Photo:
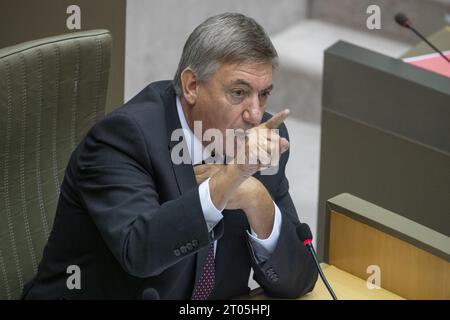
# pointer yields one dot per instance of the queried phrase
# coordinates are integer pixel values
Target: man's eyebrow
(242, 82)
(269, 88)
(245, 83)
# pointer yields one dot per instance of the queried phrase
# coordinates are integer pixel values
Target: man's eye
(238, 93)
(266, 94)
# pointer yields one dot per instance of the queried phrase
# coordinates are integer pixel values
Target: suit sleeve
(117, 187)
(290, 271)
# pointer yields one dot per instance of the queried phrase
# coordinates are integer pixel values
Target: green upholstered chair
(52, 91)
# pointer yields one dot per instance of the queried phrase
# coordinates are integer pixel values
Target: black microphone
(150, 294)
(305, 235)
(403, 20)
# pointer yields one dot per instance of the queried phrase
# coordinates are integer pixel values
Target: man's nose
(253, 113)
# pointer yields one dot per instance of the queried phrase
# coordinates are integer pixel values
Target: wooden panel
(405, 269)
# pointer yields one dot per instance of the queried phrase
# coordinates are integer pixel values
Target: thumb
(284, 145)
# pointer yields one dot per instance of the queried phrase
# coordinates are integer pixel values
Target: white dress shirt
(262, 248)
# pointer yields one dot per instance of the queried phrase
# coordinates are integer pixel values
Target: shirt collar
(195, 146)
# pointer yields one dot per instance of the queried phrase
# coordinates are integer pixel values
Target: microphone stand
(325, 281)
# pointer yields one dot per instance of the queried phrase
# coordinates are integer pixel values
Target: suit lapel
(184, 173)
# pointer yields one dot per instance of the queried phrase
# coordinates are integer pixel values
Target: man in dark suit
(134, 221)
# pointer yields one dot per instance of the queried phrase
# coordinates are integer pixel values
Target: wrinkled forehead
(254, 76)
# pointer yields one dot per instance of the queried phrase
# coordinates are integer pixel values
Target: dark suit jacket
(131, 219)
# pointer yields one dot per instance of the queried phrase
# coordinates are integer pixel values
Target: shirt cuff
(263, 248)
(210, 212)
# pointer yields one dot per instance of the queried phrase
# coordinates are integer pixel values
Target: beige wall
(157, 30)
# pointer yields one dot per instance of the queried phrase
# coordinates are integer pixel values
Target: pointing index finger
(277, 119)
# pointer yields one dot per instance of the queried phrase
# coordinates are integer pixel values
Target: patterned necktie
(205, 284)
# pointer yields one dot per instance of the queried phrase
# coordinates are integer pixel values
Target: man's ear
(189, 85)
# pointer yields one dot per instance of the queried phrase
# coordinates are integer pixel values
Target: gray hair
(227, 37)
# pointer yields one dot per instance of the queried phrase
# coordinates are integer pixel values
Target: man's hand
(228, 179)
(263, 146)
(205, 171)
(243, 197)
(251, 196)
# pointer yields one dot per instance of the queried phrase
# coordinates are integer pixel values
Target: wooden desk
(345, 285)
(413, 260)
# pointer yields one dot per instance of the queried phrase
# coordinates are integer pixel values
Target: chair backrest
(52, 91)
